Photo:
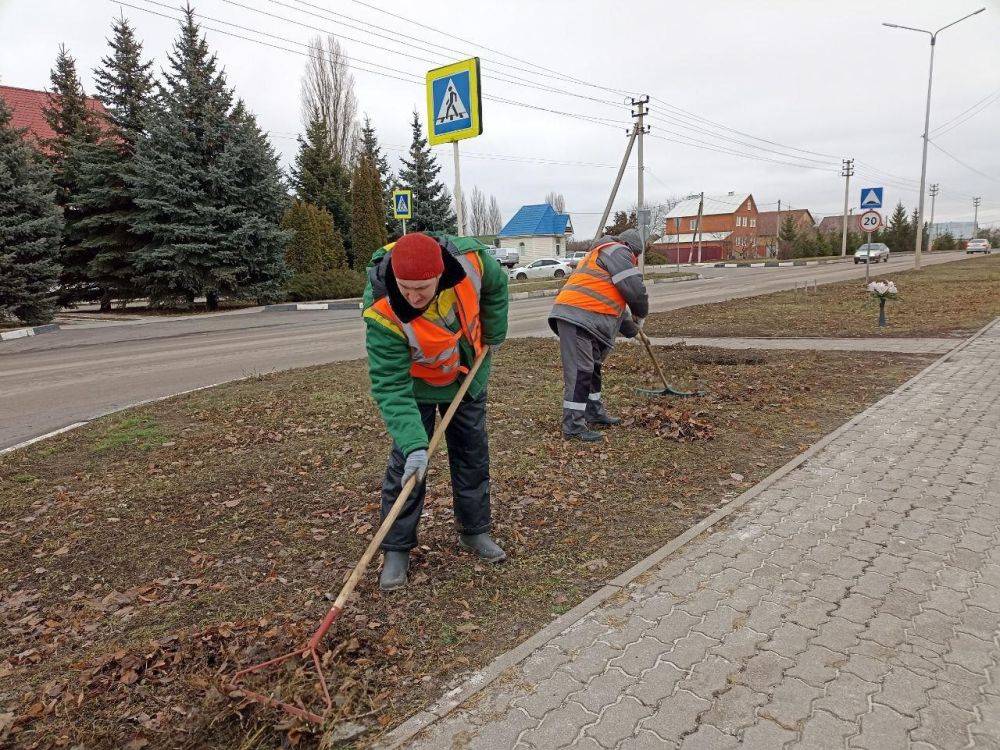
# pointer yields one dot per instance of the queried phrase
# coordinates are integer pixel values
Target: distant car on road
(872, 252)
(506, 256)
(543, 268)
(978, 246)
(576, 257)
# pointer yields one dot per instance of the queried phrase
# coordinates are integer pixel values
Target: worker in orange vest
(431, 304)
(589, 312)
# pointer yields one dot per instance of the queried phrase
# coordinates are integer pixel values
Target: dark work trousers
(469, 461)
(582, 355)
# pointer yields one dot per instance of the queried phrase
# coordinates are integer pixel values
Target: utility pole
(975, 219)
(846, 170)
(935, 189)
(618, 179)
(777, 241)
(640, 212)
(701, 207)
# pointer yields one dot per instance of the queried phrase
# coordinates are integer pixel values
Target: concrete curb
(553, 292)
(476, 682)
(777, 263)
(354, 303)
(20, 333)
(75, 425)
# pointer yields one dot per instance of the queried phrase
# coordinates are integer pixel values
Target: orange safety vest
(589, 287)
(434, 348)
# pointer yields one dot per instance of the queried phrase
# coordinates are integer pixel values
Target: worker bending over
(589, 312)
(430, 307)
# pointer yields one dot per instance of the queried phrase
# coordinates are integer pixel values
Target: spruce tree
(105, 200)
(898, 231)
(30, 229)
(371, 149)
(75, 127)
(431, 200)
(250, 253)
(320, 178)
(367, 217)
(208, 188)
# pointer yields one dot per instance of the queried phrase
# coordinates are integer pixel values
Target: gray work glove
(639, 322)
(416, 465)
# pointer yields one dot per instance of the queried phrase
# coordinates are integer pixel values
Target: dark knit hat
(416, 257)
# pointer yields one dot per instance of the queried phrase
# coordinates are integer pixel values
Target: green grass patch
(139, 433)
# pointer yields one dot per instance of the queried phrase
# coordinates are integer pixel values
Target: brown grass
(950, 299)
(148, 555)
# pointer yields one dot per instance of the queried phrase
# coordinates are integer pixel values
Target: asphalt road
(49, 382)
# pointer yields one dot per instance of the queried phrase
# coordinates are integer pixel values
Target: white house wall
(534, 247)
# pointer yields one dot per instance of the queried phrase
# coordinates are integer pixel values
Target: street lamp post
(927, 121)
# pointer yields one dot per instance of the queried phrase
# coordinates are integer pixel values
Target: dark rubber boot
(394, 566)
(586, 436)
(596, 414)
(483, 546)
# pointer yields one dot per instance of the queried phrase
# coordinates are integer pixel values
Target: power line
(410, 42)
(967, 166)
(955, 121)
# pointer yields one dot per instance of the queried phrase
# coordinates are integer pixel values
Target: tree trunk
(106, 301)
(212, 301)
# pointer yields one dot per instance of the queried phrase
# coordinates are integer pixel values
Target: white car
(875, 252)
(543, 268)
(978, 246)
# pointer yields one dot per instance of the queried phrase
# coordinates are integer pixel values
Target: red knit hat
(416, 257)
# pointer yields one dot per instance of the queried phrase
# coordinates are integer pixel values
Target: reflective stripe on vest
(435, 352)
(590, 288)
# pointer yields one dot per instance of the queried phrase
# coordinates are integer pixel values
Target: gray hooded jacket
(616, 259)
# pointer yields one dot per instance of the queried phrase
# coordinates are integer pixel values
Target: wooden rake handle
(649, 350)
(411, 483)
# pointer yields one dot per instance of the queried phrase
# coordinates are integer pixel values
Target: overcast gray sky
(822, 76)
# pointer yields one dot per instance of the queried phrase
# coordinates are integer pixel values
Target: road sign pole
(868, 260)
(404, 226)
(459, 212)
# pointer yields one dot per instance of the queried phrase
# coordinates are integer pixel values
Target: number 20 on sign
(870, 221)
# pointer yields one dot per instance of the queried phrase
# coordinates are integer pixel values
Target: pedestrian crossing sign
(454, 103)
(402, 204)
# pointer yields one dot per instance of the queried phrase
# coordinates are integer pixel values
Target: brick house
(27, 108)
(728, 230)
(767, 226)
(835, 224)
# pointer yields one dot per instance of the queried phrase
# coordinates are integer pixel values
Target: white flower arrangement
(883, 289)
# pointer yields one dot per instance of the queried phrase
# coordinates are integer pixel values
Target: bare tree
(658, 215)
(480, 213)
(328, 95)
(557, 201)
(494, 222)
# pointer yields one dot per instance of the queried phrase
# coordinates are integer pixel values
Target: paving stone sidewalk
(855, 603)
(885, 344)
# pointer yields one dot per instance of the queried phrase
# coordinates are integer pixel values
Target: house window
(693, 225)
(753, 222)
(557, 246)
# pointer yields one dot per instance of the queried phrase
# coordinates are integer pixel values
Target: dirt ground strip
(951, 299)
(145, 557)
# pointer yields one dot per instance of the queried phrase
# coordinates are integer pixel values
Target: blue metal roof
(537, 219)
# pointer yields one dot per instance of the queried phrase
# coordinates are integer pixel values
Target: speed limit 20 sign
(870, 221)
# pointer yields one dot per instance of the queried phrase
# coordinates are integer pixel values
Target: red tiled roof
(27, 107)
(834, 223)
